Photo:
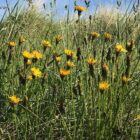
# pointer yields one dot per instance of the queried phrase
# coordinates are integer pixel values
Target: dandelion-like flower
(46, 44)
(69, 53)
(58, 58)
(36, 72)
(64, 72)
(103, 86)
(11, 44)
(27, 55)
(107, 36)
(70, 64)
(91, 61)
(58, 38)
(119, 48)
(80, 8)
(14, 99)
(36, 55)
(125, 79)
(94, 35)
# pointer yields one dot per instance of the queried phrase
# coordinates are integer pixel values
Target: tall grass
(72, 107)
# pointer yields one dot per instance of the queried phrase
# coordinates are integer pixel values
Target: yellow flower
(80, 8)
(58, 39)
(21, 40)
(14, 99)
(91, 61)
(125, 79)
(11, 44)
(103, 86)
(46, 44)
(94, 35)
(29, 77)
(64, 72)
(58, 58)
(36, 55)
(119, 48)
(70, 64)
(107, 36)
(36, 72)
(27, 54)
(69, 52)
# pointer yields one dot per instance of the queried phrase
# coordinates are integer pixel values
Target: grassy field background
(75, 78)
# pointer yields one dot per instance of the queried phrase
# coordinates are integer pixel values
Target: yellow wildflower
(36, 72)
(27, 54)
(94, 35)
(58, 58)
(91, 61)
(11, 44)
(119, 48)
(80, 8)
(46, 44)
(36, 55)
(107, 36)
(125, 79)
(58, 39)
(70, 64)
(64, 72)
(103, 86)
(14, 99)
(69, 52)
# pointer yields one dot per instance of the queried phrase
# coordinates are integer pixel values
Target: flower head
(68, 52)
(64, 72)
(58, 38)
(70, 64)
(125, 79)
(103, 86)
(91, 61)
(94, 35)
(14, 99)
(119, 48)
(80, 8)
(46, 44)
(36, 72)
(27, 55)
(11, 44)
(36, 55)
(107, 36)
(58, 58)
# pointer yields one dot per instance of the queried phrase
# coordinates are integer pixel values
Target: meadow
(70, 79)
